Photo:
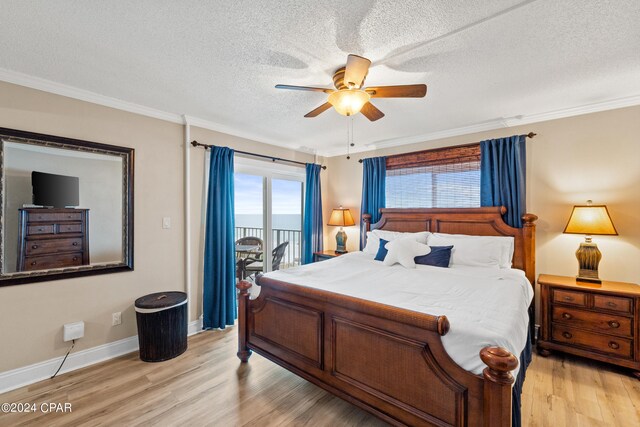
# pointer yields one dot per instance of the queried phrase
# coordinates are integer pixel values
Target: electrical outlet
(116, 319)
(73, 331)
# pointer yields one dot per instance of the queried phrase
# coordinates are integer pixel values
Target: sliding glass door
(286, 220)
(268, 204)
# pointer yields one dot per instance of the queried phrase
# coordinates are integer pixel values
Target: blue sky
(286, 198)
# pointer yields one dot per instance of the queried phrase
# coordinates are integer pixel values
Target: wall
(594, 156)
(32, 315)
(100, 190)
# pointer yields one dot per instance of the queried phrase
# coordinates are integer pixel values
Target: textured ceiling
(483, 61)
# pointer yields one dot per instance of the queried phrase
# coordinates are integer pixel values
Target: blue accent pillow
(438, 257)
(382, 251)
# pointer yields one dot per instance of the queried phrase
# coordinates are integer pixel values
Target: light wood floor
(208, 386)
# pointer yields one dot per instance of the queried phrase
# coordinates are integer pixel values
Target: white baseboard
(20, 377)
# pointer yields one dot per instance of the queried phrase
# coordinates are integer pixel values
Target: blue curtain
(374, 174)
(502, 176)
(312, 234)
(219, 250)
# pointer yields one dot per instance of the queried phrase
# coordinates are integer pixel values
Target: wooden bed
(386, 360)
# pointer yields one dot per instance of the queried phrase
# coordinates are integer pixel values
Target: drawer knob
(34, 247)
(75, 243)
(614, 324)
(33, 263)
(614, 345)
(40, 229)
(612, 304)
(567, 335)
(75, 258)
(567, 315)
(568, 298)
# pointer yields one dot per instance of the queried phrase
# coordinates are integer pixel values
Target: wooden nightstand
(324, 255)
(595, 321)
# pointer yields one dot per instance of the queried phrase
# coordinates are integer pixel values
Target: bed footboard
(386, 360)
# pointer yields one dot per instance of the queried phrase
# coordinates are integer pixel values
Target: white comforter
(485, 306)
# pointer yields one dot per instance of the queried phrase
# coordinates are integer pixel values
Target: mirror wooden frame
(127, 156)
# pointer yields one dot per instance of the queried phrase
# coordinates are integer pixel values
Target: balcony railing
(292, 254)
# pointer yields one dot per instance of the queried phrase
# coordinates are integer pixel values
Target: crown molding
(45, 85)
(68, 91)
(502, 123)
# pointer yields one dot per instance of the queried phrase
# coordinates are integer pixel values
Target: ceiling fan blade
(404, 91)
(321, 109)
(371, 112)
(313, 89)
(356, 71)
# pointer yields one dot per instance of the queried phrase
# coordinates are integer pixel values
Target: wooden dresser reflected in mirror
(52, 238)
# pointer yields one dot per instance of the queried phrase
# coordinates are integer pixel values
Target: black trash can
(162, 325)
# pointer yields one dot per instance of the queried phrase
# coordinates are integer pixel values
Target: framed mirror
(66, 208)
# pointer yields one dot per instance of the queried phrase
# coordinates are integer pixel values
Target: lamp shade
(348, 101)
(341, 217)
(590, 219)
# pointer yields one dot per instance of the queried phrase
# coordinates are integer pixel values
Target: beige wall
(594, 156)
(32, 315)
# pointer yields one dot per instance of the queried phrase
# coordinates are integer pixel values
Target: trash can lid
(161, 300)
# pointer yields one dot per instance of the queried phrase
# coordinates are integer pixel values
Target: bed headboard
(472, 221)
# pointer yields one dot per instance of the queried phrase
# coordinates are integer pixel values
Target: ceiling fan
(350, 97)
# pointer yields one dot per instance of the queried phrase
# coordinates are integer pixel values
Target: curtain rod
(273, 159)
(529, 135)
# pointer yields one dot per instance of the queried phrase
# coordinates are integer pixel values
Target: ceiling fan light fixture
(349, 101)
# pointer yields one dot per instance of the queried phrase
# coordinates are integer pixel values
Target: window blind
(442, 178)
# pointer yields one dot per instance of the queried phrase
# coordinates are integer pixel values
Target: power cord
(73, 343)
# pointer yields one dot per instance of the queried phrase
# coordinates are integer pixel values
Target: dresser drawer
(40, 229)
(615, 346)
(606, 302)
(52, 246)
(52, 261)
(570, 297)
(600, 322)
(69, 228)
(55, 217)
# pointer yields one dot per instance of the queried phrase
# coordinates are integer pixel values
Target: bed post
(243, 306)
(497, 385)
(366, 218)
(529, 230)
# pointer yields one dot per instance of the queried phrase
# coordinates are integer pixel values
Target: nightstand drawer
(606, 302)
(615, 346)
(608, 323)
(570, 297)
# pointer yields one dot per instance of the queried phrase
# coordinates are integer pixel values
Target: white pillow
(480, 251)
(373, 238)
(372, 244)
(404, 250)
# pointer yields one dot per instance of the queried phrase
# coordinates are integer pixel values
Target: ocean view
(279, 221)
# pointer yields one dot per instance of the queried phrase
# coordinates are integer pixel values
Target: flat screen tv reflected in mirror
(58, 191)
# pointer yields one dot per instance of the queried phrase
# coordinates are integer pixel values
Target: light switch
(166, 222)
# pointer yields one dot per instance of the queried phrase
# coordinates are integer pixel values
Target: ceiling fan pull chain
(348, 139)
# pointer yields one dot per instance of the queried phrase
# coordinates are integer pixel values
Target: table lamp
(589, 219)
(341, 217)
